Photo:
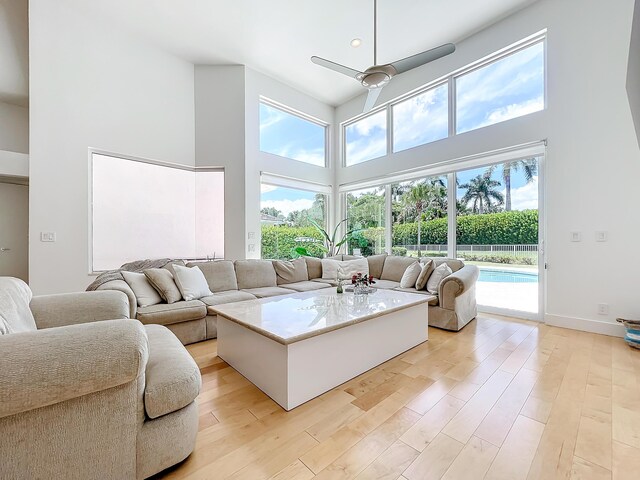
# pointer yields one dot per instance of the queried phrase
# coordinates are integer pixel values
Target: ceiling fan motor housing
(377, 76)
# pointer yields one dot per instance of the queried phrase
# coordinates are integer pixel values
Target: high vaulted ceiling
(277, 37)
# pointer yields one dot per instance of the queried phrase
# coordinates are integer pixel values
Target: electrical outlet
(576, 236)
(251, 247)
(47, 236)
(251, 235)
(603, 309)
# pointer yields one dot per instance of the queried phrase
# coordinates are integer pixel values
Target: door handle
(4, 249)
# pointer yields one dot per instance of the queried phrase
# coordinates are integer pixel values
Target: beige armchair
(86, 393)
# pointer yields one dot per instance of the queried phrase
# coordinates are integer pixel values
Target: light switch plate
(601, 236)
(576, 236)
(47, 236)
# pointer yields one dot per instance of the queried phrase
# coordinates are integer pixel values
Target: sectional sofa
(194, 321)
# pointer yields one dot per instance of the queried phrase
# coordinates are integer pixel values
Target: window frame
(449, 79)
(302, 116)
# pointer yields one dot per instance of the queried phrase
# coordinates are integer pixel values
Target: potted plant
(331, 244)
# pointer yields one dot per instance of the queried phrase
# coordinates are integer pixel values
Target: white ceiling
(14, 52)
(277, 37)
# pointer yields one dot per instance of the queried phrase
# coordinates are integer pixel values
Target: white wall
(14, 128)
(220, 141)
(633, 69)
(258, 85)
(592, 160)
(92, 86)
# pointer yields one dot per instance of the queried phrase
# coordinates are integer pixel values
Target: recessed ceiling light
(356, 42)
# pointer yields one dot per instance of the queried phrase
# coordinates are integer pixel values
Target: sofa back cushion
(292, 271)
(314, 267)
(255, 273)
(454, 263)
(376, 263)
(343, 270)
(394, 267)
(220, 274)
(15, 314)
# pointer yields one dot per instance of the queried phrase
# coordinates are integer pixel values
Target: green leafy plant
(331, 244)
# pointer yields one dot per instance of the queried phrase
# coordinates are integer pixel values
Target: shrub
(278, 241)
(399, 251)
(508, 259)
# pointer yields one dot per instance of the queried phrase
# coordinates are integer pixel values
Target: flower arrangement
(362, 283)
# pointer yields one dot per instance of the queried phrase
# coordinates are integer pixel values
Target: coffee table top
(291, 318)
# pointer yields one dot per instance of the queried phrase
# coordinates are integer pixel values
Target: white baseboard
(593, 326)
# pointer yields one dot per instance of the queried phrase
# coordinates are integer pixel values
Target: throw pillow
(291, 271)
(425, 272)
(439, 274)
(191, 282)
(145, 294)
(410, 275)
(333, 269)
(162, 280)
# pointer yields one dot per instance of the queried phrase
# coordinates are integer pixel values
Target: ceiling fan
(376, 77)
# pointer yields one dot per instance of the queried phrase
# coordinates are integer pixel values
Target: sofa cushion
(440, 273)
(425, 272)
(454, 263)
(332, 283)
(394, 267)
(143, 290)
(262, 292)
(255, 274)
(15, 313)
(376, 264)
(166, 314)
(291, 271)
(191, 282)
(314, 267)
(432, 302)
(386, 284)
(306, 286)
(162, 280)
(410, 275)
(229, 296)
(220, 274)
(172, 378)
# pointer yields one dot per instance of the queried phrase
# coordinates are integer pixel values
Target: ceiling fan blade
(425, 57)
(372, 97)
(336, 67)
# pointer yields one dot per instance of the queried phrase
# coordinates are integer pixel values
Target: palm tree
(418, 200)
(529, 167)
(482, 191)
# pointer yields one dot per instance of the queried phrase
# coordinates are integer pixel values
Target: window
(366, 219)
(286, 217)
(144, 210)
(504, 89)
(421, 119)
(291, 136)
(419, 210)
(366, 139)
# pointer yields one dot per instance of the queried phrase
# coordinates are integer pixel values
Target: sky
(286, 200)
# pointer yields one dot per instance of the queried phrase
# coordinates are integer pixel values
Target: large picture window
(366, 219)
(287, 135)
(287, 217)
(144, 210)
(507, 88)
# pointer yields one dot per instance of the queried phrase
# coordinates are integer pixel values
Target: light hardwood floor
(502, 399)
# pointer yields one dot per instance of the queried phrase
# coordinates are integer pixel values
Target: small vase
(339, 288)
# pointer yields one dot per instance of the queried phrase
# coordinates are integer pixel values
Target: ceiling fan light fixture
(356, 42)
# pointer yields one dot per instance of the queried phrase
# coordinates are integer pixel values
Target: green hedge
(278, 241)
(504, 228)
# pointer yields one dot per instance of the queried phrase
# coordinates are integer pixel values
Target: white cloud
(270, 116)
(313, 156)
(515, 110)
(287, 206)
(367, 124)
(524, 197)
(421, 119)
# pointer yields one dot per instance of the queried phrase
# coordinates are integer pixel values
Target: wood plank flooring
(502, 399)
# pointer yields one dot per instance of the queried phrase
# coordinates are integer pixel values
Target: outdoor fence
(517, 250)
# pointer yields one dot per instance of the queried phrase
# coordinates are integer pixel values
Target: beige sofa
(194, 321)
(86, 393)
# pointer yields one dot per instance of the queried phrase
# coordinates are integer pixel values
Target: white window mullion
(388, 233)
(451, 214)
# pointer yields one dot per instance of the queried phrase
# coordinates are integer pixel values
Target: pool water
(506, 276)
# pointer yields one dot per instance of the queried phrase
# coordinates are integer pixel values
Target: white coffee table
(298, 346)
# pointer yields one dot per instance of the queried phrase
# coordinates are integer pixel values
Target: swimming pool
(507, 276)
